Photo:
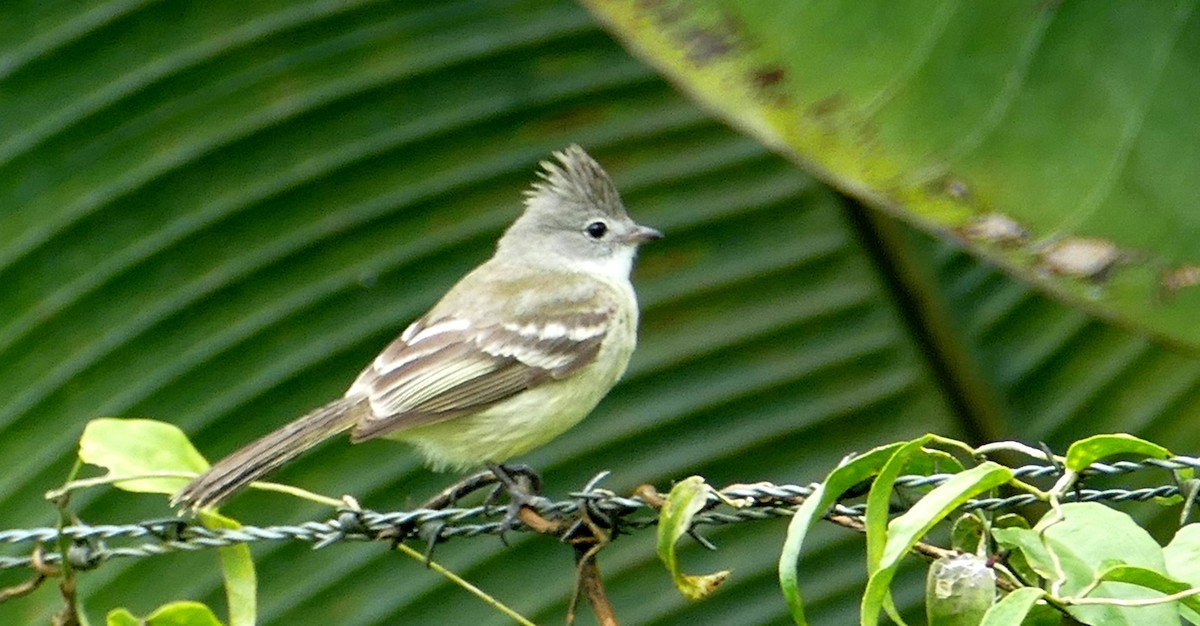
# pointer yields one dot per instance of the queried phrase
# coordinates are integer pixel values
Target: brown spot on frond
(1176, 279)
(767, 77)
(995, 228)
(1081, 257)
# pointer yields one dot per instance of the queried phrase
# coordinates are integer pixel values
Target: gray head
(574, 216)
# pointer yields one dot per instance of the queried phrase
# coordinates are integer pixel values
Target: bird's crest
(575, 179)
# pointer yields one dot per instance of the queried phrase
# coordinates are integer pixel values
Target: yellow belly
(529, 419)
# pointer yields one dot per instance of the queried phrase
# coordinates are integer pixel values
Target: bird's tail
(234, 472)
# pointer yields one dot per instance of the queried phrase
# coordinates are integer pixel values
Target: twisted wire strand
(759, 501)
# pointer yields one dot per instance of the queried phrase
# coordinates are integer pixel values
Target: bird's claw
(523, 486)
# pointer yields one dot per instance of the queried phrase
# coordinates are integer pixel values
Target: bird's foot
(524, 487)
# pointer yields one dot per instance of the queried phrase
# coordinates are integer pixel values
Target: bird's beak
(642, 234)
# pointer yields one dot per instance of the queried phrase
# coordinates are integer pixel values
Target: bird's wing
(443, 368)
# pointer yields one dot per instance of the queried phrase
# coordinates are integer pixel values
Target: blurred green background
(213, 213)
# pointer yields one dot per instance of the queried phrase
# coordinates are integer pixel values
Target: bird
(519, 350)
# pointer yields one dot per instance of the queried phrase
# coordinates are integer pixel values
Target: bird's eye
(596, 230)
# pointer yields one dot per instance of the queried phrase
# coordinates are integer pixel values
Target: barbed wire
(758, 501)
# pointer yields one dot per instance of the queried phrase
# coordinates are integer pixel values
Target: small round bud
(959, 590)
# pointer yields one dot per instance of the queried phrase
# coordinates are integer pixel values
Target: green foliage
(1073, 547)
(135, 447)
(906, 530)
(1086, 560)
(848, 474)
(1083, 453)
(967, 119)
(1014, 608)
(1091, 561)
(1182, 556)
(131, 447)
(237, 570)
(686, 498)
(1151, 579)
(173, 614)
(968, 532)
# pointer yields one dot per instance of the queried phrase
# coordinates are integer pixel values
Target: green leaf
(1016, 559)
(1029, 543)
(1044, 615)
(1182, 557)
(928, 461)
(1010, 520)
(137, 446)
(848, 474)
(1150, 579)
(967, 532)
(173, 614)
(954, 118)
(1086, 541)
(121, 617)
(686, 498)
(127, 447)
(879, 507)
(237, 568)
(1012, 609)
(1182, 554)
(1084, 452)
(906, 530)
(880, 497)
(1087, 547)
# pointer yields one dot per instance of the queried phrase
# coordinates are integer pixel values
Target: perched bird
(518, 351)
